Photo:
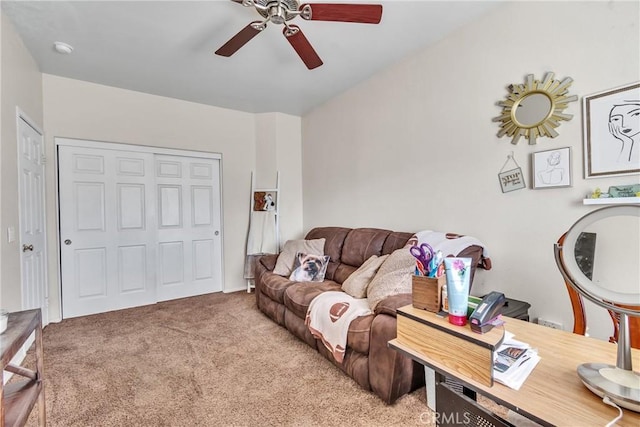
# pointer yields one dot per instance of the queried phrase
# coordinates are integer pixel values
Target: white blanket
(262, 233)
(329, 317)
(452, 244)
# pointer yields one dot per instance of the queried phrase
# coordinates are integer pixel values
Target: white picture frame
(551, 168)
(611, 133)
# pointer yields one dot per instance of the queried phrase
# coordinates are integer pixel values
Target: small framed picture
(612, 132)
(552, 168)
(511, 180)
(264, 201)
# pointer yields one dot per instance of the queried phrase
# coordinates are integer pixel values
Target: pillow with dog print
(309, 267)
(284, 263)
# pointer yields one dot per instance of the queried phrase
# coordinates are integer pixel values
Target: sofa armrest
(264, 265)
(390, 304)
(268, 261)
(391, 374)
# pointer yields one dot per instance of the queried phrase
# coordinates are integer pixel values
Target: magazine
(513, 362)
(507, 357)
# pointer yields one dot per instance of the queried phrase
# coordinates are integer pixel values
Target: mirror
(605, 242)
(600, 258)
(610, 243)
(534, 109)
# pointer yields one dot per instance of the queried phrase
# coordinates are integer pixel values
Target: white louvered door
(136, 228)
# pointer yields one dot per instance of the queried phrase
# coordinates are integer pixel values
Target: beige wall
(83, 110)
(75, 109)
(414, 147)
(278, 149)
(21, 87)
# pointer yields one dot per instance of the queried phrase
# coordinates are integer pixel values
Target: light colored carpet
(213, 360)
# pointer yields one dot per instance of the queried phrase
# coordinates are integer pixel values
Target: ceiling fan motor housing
(288, 12)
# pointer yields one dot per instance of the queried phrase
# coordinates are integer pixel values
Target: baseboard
(228, 291)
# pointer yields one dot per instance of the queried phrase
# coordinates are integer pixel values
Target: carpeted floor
(213, 360)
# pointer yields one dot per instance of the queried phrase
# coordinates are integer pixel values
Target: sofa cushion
(356, 284)
(393, 277)
(359, 334)
(396, 240)
(298, 296)
(361, 243)
(309, 267)
(284, 264)
(333, 246)
(274, 286)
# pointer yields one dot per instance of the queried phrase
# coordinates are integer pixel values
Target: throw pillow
(284, 264)
(393, 277)
(309, 267)
(356, 284)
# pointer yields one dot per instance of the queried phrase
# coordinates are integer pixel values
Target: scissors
(423, 253)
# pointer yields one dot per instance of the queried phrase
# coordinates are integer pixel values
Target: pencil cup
(426, 292)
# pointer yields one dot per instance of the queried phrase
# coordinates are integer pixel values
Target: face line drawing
(625, 134)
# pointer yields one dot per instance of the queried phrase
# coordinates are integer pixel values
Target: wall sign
(511, 179)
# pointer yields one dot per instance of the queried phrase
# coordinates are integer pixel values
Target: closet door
(107, 229)
(189, 241)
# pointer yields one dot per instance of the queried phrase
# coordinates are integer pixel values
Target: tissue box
(426, 292)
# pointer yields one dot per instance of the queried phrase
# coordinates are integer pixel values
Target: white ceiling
(166, 48)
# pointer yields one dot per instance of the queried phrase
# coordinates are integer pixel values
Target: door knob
(216, 232)
(26, 248)
(67, 242)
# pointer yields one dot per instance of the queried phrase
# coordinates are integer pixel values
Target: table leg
(42, 413)
(430, 387)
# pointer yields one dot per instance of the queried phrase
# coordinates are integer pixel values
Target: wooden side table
(18, 398)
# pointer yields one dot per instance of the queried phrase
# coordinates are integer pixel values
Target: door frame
(22, 116)
(105, 145)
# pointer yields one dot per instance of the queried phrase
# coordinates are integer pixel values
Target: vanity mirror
(535, 108)
(599, 257)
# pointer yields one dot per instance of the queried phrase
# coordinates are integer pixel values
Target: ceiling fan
(282, 11)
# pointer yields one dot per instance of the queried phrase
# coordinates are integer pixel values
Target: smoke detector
(63, 48)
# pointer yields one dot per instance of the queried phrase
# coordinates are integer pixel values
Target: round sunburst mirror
(535, 108)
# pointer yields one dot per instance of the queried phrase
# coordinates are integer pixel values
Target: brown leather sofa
(367, 360)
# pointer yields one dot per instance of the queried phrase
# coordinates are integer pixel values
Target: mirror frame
(555, 90)
(570, 269)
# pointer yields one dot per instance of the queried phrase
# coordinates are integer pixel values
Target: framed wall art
(551, 168)
(264, 201)
(612, 132)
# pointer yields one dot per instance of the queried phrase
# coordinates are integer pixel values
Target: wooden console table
(18, 398)
(553, 393)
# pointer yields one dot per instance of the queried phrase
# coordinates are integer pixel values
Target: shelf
(19, 399)
(613, 201)
(26, 388)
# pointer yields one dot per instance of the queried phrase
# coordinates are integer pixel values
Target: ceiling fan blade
(362, 13)
(240, 39)
(302, 46)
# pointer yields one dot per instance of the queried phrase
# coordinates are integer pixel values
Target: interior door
(189, 241)
(33, 255)
(107, 229)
